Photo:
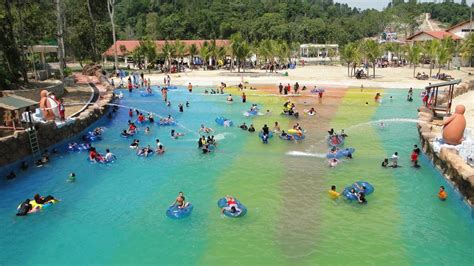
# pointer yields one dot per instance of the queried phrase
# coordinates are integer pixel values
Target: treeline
(87, 33)
(322, 21)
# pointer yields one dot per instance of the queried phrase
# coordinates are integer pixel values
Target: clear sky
(380, 4)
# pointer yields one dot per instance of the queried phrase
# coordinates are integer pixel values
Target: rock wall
(448, 161)
(17, 147)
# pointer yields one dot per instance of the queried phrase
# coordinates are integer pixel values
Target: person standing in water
(190, 87)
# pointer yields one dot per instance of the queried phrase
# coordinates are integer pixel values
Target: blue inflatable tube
(251, 113)
(335, 141)
(340, 153)
(91, 137)
(146, 94)
(292, 137)
(220, 121)
(161, 123)
(369, 189)
(174, 212)
(172, 87)
(78, 147)
(221, 203)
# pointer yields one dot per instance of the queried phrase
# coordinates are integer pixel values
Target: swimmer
(382, 125)
(236, 211)
(175, 134)
(268, 112)
(134, 144)
(147, 130)
(276, 128)
(226, 123)
(181, 107)
(229, 98)
(205, 148)
(145, 151)
(180, 201)
(109, 156)
(333, 162)
(158, 143)
(442, 195)
(333, 194)
(125, 133)
(343, 134)
(160, 149)
(311, 111)
(187, 104)
(71, 178)
(168, 103)
(243, 126)
(24, 208)
(251, 128)
(150, 118)
(205, 129)
(10, 176)
(395, 160)
(265, 130)
(130, 113)
(385, 163)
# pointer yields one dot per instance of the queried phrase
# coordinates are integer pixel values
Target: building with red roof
(126, 47)
(423, 36)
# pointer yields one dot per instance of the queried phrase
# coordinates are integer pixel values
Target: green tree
(372, 52)
(168, 52)
(205, 54)
(180, 50)
(431, 52)
(193, 51)
(349, 55)
(240, 49)
(413, 54)
(111, 10)
(467, 48)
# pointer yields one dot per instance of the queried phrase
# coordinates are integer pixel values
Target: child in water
(71, 178)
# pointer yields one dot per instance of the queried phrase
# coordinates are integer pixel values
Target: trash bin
(286, 73)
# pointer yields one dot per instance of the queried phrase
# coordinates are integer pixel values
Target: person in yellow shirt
(442, 195)
(333, 194)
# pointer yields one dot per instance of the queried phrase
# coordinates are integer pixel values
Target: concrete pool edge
(447, 161)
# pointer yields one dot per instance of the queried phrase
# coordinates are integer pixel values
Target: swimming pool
(116, 213)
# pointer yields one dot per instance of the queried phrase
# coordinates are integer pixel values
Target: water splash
(306, 154)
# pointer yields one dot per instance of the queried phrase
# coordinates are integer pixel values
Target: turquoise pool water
(116, 213)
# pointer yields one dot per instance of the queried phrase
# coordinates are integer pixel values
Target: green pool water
(115, 214)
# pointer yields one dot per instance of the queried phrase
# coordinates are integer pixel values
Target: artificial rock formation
(454, 126)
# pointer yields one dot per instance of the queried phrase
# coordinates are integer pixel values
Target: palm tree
(414, 55)
(371, 50)
(213, 49)
(204, 53)
(266, 49)
(349, 56)
(431, 51)
(240, 48)
(283, 52)
(180, 49)
(147, 49)
(467, 48)
(221, 53)
(167, 52)
(193, 51)
(444, 53)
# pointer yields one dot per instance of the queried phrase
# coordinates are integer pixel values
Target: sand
(329, 76)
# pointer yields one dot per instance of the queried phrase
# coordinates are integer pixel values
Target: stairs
(35, 148)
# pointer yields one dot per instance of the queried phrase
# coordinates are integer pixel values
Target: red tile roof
(435, 34)
(131, 45)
